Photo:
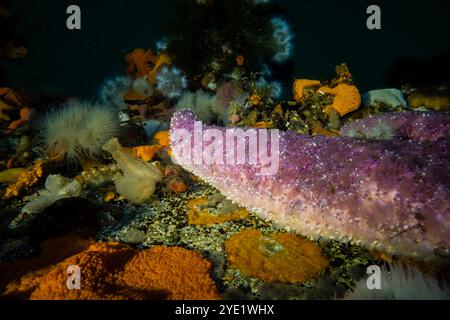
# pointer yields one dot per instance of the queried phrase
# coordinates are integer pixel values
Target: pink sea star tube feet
(391, 195)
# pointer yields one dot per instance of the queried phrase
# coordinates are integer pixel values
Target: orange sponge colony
(28, 179)
(281, 257)
(163, 138)
(116, 271)
(19, 279)
(138, 62)
(300, 85)
(143, 63)
(346, 98)
(147, 153)
(203, 216)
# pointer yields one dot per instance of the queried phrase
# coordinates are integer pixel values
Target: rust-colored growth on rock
(300, 85)
(346, 98)
(280, 257)
(198, 215)
(177, 186)
(28, 179)
(19, 279)
(116, 271)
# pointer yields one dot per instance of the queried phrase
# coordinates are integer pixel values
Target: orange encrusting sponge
(280, 257)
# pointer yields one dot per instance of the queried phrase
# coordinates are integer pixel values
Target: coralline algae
(389, 195)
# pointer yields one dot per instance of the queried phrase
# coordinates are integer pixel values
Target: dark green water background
(328, 33)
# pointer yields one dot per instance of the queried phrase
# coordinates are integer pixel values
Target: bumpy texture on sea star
(406, 125)
(388, 195)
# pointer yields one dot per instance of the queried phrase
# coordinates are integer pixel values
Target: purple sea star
(391, 195)
(405, 125)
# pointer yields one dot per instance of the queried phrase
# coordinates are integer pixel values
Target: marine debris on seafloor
(363, 176)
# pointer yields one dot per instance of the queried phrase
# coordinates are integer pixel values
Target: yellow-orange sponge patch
(28, 179)
(110, 271)
(280, 257)
(114, 271)
(346, 98)
(199, 216)
(300, 85)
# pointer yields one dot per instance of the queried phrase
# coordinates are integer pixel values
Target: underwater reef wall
(390, 195)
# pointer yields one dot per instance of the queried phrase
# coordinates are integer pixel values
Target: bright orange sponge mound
(116, 271)
(280, 257)
(300, 85)
(19, 279)
(110, 271)
(346, 98)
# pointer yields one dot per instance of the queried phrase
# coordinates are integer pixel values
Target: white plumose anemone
(379, 131)
(401, 283)
(170, 82)
(283, 37)
(142, 86)
(113, 91)
(78, 130)
(201, 103)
